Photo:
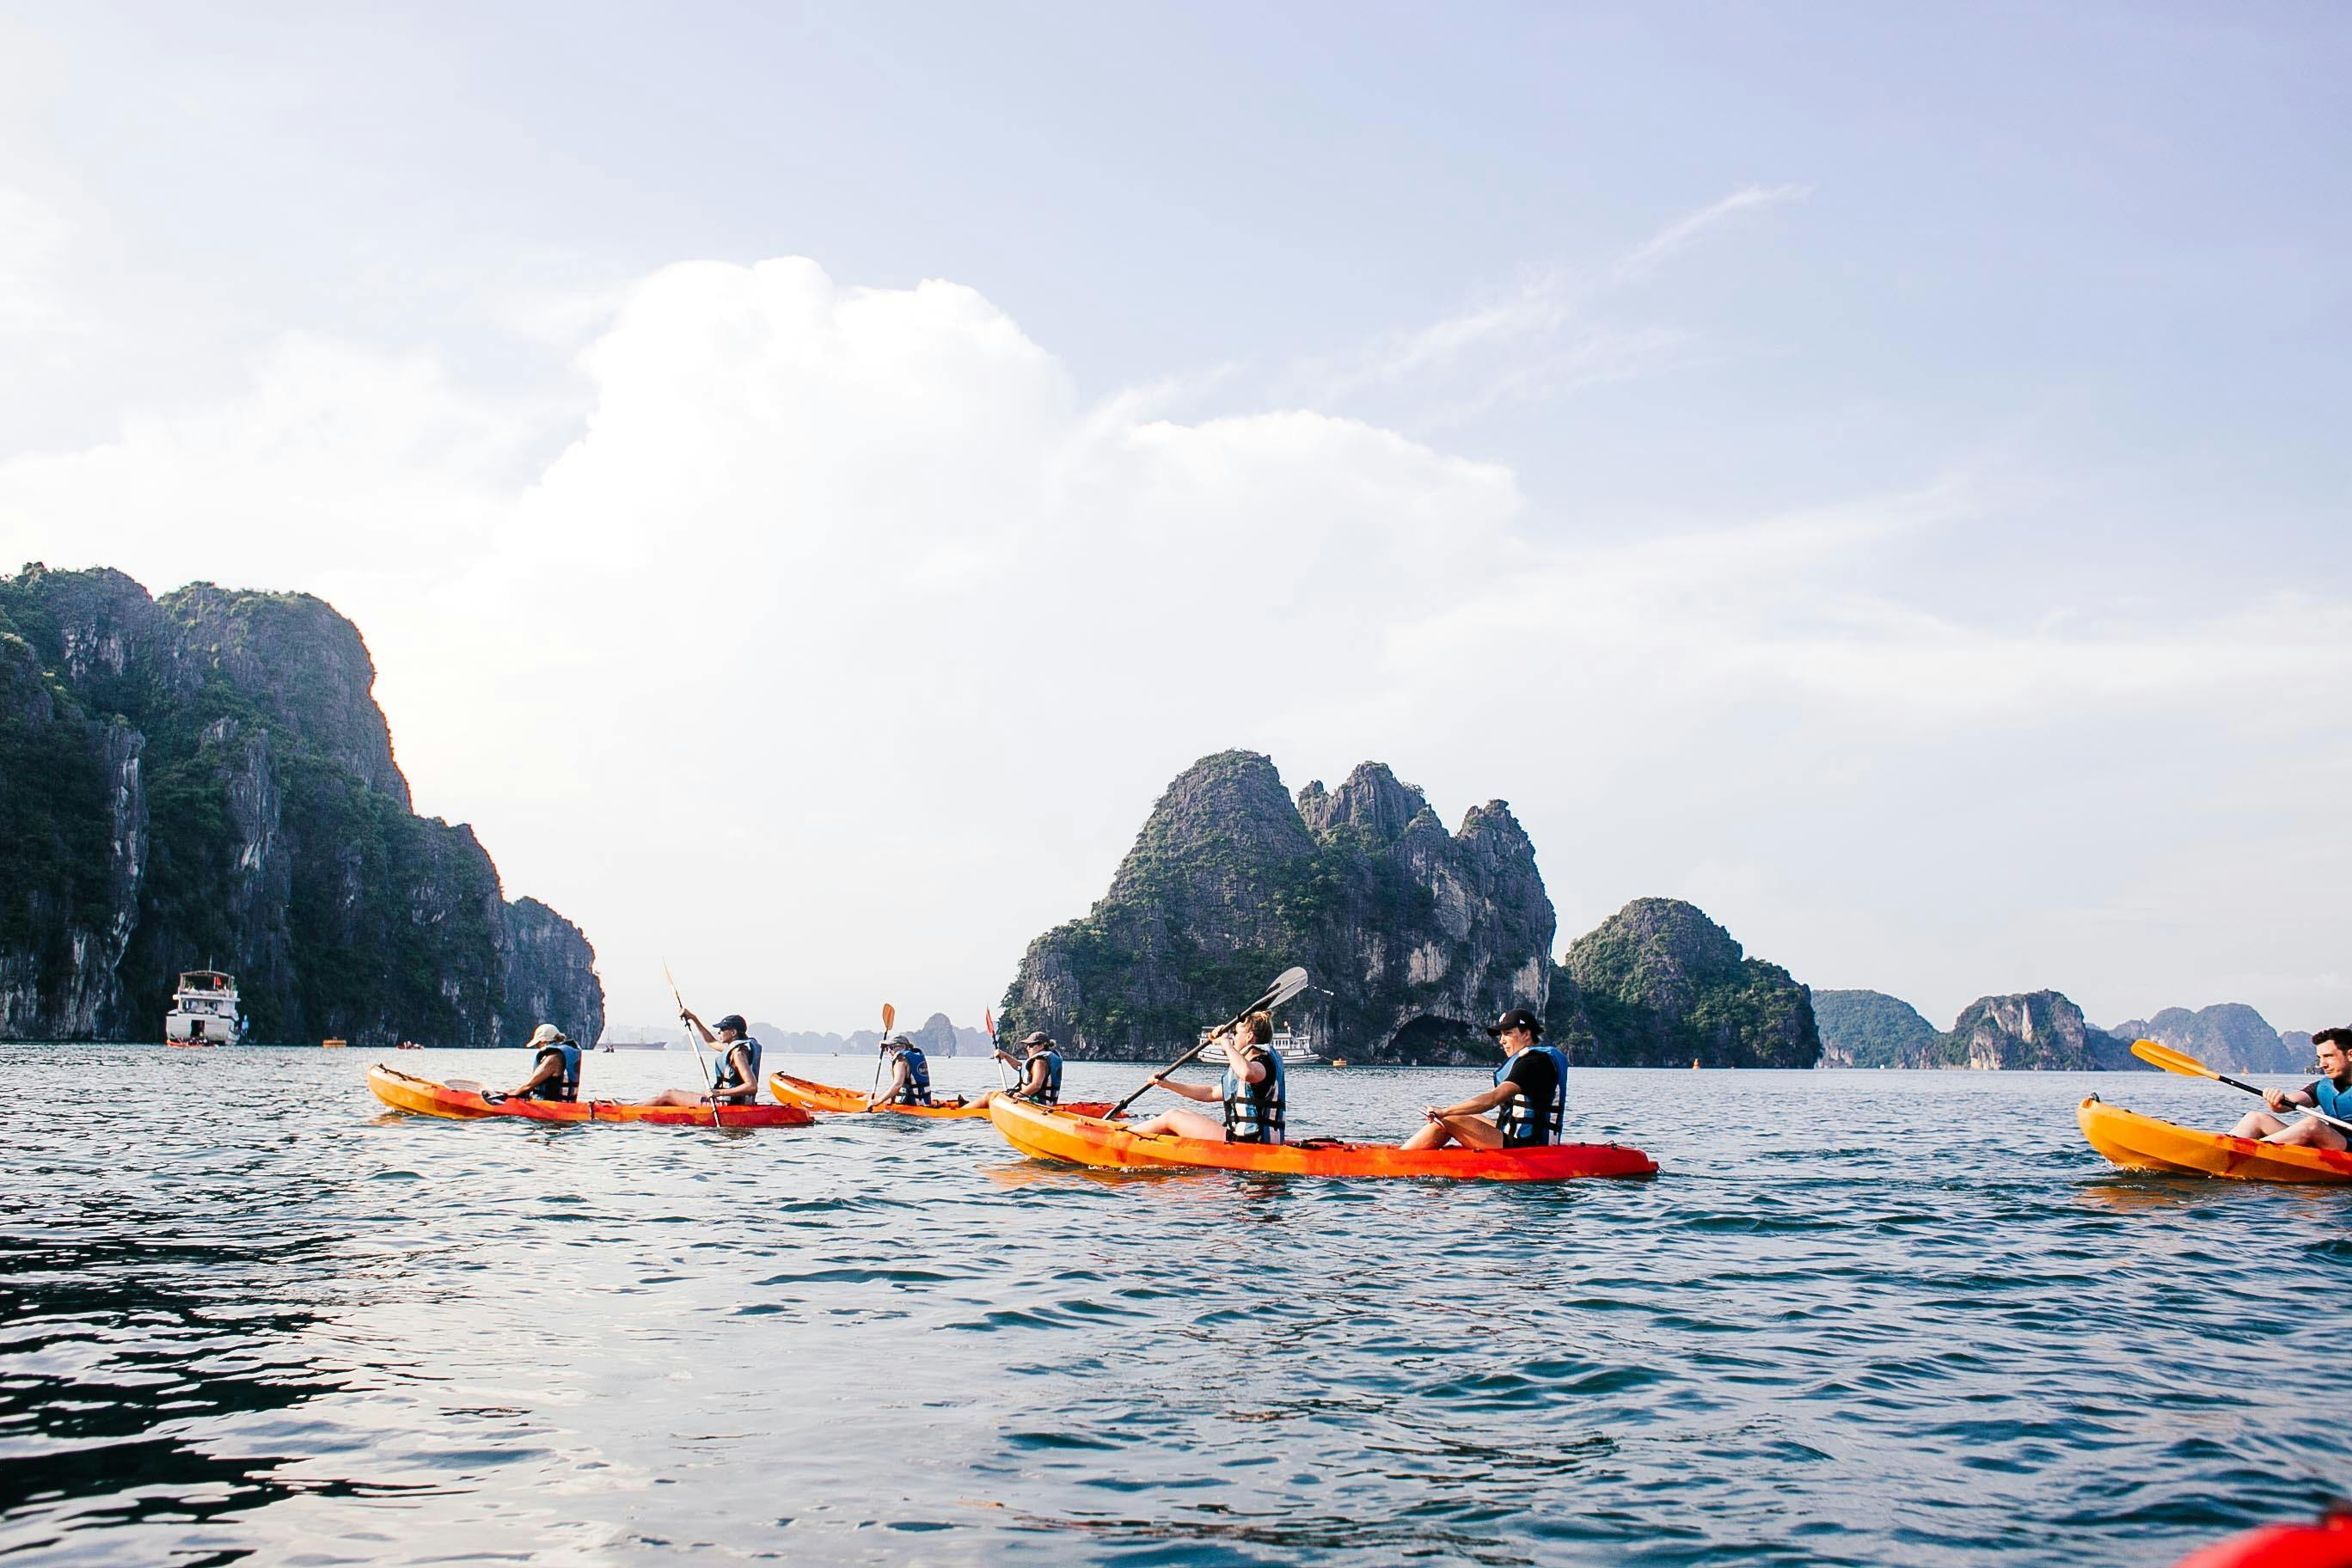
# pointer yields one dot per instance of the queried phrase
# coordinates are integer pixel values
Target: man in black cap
(737, 1075)
(1529, 1097)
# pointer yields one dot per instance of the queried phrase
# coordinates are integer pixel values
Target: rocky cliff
(2035, 1030)
(206, 780)
(1414, 936)
(1660, 985)
(1871, 1029)
(2228, 1036)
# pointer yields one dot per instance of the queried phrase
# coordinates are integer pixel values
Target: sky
(809, 477)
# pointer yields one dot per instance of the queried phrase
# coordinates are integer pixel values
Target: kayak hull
(2137, 1142)
(833, 1098)
(1046, 1134)
(422, 1097)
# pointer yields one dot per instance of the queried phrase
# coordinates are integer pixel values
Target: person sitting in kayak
(2330, 1094)
(1040, 1070)
(1529, 1098)
(910, 1077)
(1252, 1088)
(555, 1072)
(737, 1074)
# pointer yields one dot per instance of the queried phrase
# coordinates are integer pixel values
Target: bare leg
(2256, 1124)
(1183, 1124)
(1470, 1131)
(678, 1097)
(2309, 1133)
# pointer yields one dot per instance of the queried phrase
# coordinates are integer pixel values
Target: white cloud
(843, 646)
(1677, 236)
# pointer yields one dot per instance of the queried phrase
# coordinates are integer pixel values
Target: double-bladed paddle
(1287, 985)
(2187, 1066)
(694, 1038)
(995, 1051)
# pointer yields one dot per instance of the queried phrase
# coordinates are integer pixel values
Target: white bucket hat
(545, 1035)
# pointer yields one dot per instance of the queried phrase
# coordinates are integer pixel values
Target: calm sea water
(1862, 1318)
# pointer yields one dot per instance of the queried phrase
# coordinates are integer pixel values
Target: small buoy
(1338, 1061)
(332, 1045)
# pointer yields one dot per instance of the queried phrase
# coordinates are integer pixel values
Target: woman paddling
(1529, 1097)
(2330, 1094)
(737, 1078)
(1251, 1088)
(1040, 1070)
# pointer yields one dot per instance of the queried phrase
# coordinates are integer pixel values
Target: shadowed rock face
(1414, 936)
(206, 780)
(1660, 985)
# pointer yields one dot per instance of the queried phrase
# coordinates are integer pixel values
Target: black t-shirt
(1538, 1080)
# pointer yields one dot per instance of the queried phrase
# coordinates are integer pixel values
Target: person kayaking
(1529, 1098)
(1039, 1068)
(555, 1071)
(737, 1072)
(1252, 1088)
(910, 1076)
(2330, 1094)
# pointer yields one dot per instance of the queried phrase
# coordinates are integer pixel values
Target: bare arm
(550, 1068)
(750, 1090)
(686, 1015)
(1484, 1100)
(1208, 1091)
(898, 1077)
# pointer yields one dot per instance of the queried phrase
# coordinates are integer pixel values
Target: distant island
(206, 780)
(1417, 936)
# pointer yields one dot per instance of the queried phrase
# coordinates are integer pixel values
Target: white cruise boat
(1295, 1050)
(204, 1011)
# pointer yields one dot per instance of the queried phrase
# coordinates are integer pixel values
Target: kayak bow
(422, 1097)
(1048, 1134)
(2138, 1142)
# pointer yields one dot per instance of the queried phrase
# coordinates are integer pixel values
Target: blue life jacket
(2332, 1101)
(726, 1083)
(917, 1090)
(1525, 1126)
(1051, 1093)
(566, 1087)
(1254, 1111)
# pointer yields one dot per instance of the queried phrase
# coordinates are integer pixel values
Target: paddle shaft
(694, 1038)
(2306, 1110)
(1275, 996)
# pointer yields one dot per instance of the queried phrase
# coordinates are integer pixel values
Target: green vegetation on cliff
(1660, 985)
(1870, 1029)
(206, 779)
(1414, 935)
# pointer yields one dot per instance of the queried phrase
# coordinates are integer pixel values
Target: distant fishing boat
(204, 1011)
(1295, 1050)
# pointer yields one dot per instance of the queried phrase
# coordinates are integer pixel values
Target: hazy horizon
(808, 480)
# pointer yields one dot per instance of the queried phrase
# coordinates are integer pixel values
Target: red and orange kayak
(1058, 1134)
(2138, 1142)
(2328, 1545)
(422, 1097)
(833, 1098)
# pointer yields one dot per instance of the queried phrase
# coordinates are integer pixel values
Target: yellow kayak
(2139, 1142)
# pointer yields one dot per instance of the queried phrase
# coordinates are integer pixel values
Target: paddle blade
(988, 1021)
(2170, 1060)
(1287, 986)
(889, 1016)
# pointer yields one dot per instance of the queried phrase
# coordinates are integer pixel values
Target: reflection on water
(1867, 1317)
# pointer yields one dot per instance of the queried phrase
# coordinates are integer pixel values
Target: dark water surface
(1866, 1318)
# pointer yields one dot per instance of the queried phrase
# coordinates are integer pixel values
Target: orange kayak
(422, 1097)
(1080, 1140)
(2139, 1142)
(834, 1097)
(2328, 1545)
